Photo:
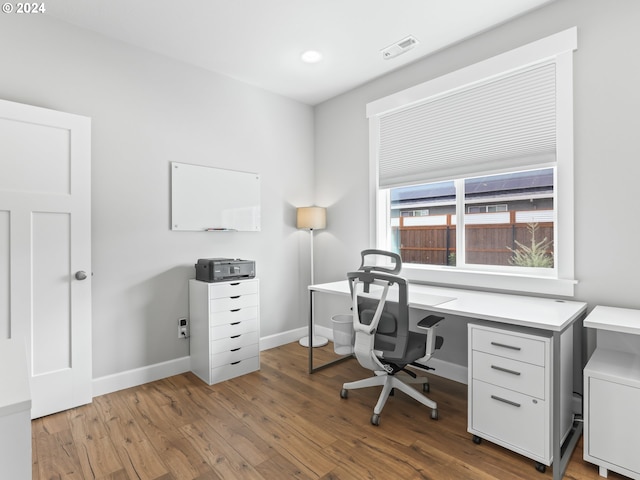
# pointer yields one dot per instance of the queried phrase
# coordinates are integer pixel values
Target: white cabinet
(612, 396)
(510, 389)
(612, 392)
(225, 329)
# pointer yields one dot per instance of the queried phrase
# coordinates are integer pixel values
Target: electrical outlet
(183, 328)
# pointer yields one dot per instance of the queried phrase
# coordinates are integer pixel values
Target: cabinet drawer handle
(235, 323)
(235, 283)
(235, 349)
(506, 370)
(236, 336)
(235, 297)
(510, 347)
(235, 363)
(504, 400)
(235, 310)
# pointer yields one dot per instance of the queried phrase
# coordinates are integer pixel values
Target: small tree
(535, 255)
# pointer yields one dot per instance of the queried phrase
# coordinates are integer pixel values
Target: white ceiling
(260, 41)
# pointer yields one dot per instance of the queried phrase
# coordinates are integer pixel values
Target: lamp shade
(313, 218)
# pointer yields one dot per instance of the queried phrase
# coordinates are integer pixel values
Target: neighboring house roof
(492, 187)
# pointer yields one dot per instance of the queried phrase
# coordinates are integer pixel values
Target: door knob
(81, 275)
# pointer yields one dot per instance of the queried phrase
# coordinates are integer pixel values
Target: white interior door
(45, 244)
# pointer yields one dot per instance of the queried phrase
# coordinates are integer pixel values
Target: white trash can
(343, 334)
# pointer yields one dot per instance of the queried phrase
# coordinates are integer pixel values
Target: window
(487, 153)
(414, 213)
(502, 207)
(518, 238)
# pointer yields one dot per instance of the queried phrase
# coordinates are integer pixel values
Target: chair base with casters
(390, 383)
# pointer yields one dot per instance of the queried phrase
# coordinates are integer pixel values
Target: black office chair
(383, 342)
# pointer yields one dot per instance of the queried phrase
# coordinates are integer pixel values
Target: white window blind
(506, 122)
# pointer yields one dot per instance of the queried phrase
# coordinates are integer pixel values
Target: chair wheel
(425, 387)
(375, 419)
(434, 414)
(541, 467)
(344, 393)
(477, 440)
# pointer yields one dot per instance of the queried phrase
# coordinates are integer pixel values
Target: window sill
(490, 281)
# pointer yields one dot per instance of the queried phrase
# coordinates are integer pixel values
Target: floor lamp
(312, 218)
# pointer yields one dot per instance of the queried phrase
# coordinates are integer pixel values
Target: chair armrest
(432, 342)
(429, 322)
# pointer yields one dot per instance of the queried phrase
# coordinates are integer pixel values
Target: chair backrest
(380, 315)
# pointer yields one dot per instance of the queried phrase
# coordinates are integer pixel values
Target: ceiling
(260, 42)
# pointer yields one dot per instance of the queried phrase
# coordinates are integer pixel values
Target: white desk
(613, 319)
(554, 316)
(532, 312)
(612, 392)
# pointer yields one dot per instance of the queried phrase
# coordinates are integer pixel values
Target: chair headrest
(371, 272)
(373, 267)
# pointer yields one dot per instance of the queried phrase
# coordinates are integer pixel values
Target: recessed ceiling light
(311, 56)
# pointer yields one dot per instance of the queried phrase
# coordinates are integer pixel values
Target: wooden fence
(432, 240)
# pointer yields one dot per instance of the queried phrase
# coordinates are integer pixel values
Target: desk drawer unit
(510, 386)
(611, 400)
(225, 329)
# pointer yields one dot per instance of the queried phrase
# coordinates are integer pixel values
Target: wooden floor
(277, 423)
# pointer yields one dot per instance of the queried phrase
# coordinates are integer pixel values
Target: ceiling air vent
(399, 48)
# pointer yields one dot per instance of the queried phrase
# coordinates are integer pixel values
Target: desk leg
(313, 369)
(561, 456)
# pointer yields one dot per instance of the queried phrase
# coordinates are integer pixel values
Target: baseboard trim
(140, 376)
(158, 371)
(448, 370)
(273, 341)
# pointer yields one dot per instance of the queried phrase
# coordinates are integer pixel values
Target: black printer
(224, 269)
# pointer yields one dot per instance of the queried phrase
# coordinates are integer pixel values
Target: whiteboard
(214, 199)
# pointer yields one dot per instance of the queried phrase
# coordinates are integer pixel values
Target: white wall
(148, 110)
(606, 106)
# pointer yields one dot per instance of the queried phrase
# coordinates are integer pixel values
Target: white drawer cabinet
(612, 392)
(225, 329)
(510, 389)
(612, 397)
